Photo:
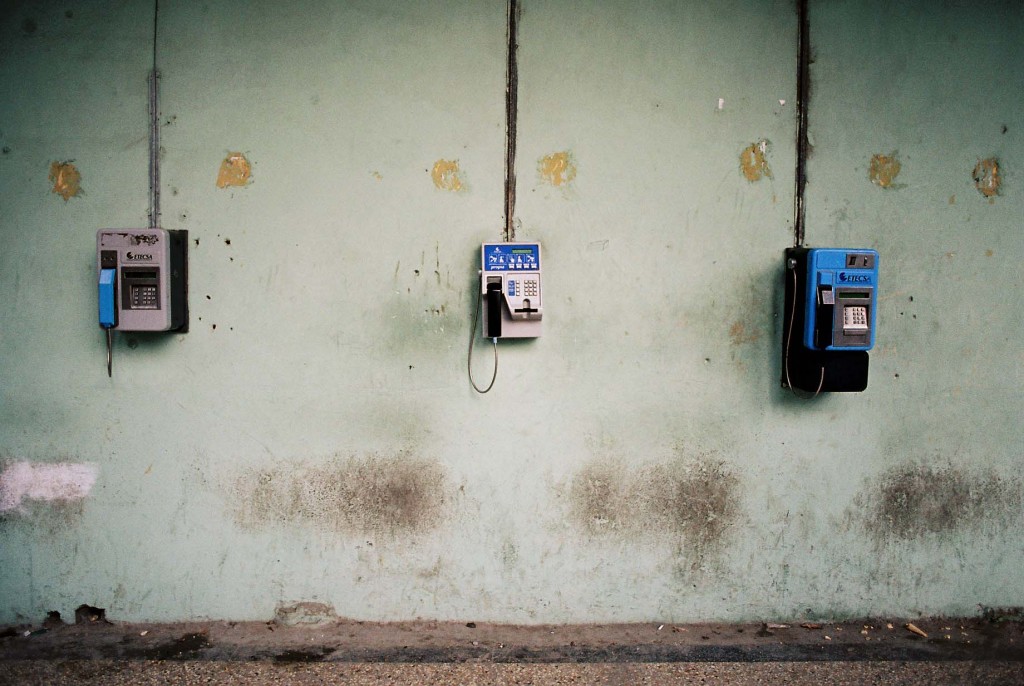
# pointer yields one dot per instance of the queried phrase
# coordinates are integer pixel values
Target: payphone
(510, 282)
(830, 305)
(143, 280)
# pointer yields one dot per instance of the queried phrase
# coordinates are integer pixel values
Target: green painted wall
(314, 437)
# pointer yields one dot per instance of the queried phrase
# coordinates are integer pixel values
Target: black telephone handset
(823, 321)
(494, 298)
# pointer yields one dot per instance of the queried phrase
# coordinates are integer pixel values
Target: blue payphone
(831, 304)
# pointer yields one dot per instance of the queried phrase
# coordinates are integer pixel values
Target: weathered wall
(313, 438)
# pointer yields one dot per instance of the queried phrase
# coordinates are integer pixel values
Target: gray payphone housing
(143, 279)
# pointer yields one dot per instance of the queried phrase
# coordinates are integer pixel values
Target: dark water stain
(697, 500)
(186, 647)
(914, 501)
(29, 26)
(692, 502)
(368, 494)
(52, 520)
(317, 655)
(599, 497)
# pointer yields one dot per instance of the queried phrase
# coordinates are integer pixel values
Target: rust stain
(66, 180)
(235, 170)
(986, 177)
(377, 175)
(884, 169)
(754, 161)
(447, 176)
(952, 199)
(557, 169)
(739, 335)
(989, 253)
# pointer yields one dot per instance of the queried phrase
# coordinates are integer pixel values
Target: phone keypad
(144, 298)
(530, 288)
(855, 319)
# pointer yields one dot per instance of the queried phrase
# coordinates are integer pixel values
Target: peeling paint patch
(305, 614)
(56, 482)
(447, 176)
(916, 501)
(557, 169)
(66, 179)
(754, 161)
(884, 169)
(357, 495)
(235, 170)
(691, 503)
(986, 177)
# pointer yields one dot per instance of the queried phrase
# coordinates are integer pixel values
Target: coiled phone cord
(789, 337)
(469, 358)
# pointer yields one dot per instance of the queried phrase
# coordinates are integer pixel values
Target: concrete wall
(313, 437)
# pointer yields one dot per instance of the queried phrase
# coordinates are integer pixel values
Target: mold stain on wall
(689, 503)
(986, 177)
(915, 501)
(235, 171)
(883, 169)
(447, 176)
(66, 179)
(361, 495)
(557, 169)
(754, 161)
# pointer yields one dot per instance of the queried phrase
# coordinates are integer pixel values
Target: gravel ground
(115, 673)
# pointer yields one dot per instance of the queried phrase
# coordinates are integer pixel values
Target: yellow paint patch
(447, 176)
(557, 169)
(754, 161)
(235, 170)
(986, 177)
(884, 169)
(66, 180)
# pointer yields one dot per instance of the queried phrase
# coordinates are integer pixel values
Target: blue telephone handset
(108, 298)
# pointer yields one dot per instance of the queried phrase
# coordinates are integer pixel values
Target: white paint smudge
(45, 481)
(721, 104)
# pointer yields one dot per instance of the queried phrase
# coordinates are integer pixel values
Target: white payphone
(510, 281)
